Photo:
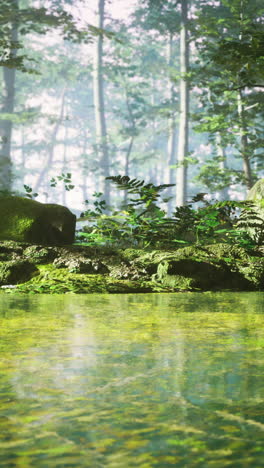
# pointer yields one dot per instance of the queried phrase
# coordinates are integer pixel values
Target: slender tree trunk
(127, 165)
(8, 108)
(84, 170)
(64, 164)
(172, 135)
(181, 179)
(220, 150)
(99, 104)
(244, 147)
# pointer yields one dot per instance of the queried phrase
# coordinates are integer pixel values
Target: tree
(8, 99)
(181, 180)
(230, 35)
(99, 104)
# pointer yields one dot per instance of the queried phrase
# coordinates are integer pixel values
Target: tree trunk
(99, 104)
(171, 146)
(222, 164)
(8, 108)
(181, 178)
(244, 149)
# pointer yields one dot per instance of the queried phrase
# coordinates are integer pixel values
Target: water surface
(158, 380)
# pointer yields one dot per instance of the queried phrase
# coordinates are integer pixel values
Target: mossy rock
(15, 272)
(209, 267)
(26, 220)
(38, 254)
(76, 264)
(52, 280)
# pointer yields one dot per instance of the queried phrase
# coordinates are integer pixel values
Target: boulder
(210, 267)
(26, 220)
(15, 272)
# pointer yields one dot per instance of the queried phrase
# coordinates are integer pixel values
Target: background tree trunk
(220, 150)
(8, 105)
(172, 135)
(99, 104)
(181, 178)
(244, 150)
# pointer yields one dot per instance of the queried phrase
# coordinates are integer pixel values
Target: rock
(76, 264)
(40, 255)
(212, 267)
(26, 220)
(15, 272)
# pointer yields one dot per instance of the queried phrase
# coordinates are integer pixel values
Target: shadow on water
(142, 380)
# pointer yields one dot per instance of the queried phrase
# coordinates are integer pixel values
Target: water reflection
(132, 380)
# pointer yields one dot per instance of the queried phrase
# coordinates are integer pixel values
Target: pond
(146, 380)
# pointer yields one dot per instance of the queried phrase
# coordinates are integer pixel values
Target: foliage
(65, 178)
(142, 223)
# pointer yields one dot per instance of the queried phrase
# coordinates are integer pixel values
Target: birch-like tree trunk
(8, 105)
(221, 153)
(172, 135)
(244, 147)
(181, 178)
(99, 104)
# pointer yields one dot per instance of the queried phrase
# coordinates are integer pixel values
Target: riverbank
(81, 269)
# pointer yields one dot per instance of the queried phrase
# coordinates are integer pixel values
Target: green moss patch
(54, 281)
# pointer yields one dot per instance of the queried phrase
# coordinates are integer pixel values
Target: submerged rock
(26, 220)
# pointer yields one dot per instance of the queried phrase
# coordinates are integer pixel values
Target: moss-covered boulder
(211, 267)
(16, 272)
(26, 220)
(54, 280)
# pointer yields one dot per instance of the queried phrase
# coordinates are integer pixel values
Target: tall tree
(8, 102)
(99, 103)
(181, 179)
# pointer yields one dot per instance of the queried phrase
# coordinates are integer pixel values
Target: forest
(131, 233)
(144, 120)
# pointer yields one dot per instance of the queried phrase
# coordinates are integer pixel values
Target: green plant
(29, 192)
(142, 223)
(65, 178)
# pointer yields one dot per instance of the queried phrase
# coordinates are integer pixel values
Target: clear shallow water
(121, 381)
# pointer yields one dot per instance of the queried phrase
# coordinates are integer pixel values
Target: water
(161, 380)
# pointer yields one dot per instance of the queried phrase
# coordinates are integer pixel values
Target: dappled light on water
(132, 380)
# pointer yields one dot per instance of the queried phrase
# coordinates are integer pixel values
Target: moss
(53, 280)
(211, 267)
(26, 220)
(86, 270)
(15, 272)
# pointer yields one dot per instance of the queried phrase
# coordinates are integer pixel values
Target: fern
(251, 221)
(147, 193)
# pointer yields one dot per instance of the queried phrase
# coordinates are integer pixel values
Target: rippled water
(161, 380)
